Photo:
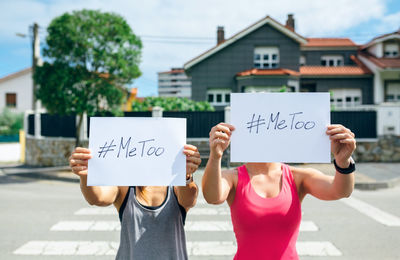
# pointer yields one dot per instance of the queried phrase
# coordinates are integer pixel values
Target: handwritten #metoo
(127, 147)
(278, 121)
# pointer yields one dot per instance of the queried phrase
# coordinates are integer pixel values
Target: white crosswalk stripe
(68, 248)
(373, 212)
(317, 248)
(189, 226)
(193, 211)
(97, 211)
(203, 218)
(199, 248)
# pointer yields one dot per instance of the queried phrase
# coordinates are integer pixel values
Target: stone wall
(56, 151)
(386, 149)
(48, 151)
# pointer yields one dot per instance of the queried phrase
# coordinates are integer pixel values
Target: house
(174, 83)
(16, 91)
(269, 56)
(381, 55)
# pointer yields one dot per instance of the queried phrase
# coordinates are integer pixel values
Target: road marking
(308, 226)
(189, 226)
(201, 200)
(97, 211)
(198, 248)
(211, 248)
(208, 226)
(86, 226)
(372, 212)
(317, 248)
(305, 226)
(210, 211)
(68, 248)
(194, 211)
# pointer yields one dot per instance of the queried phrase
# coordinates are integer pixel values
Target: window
(302, 60)
(11, 100)
(219, 97)
(332, 60)
(393, 92)
(341, 98)
(227, 98)
(391, 50)
(266, 57)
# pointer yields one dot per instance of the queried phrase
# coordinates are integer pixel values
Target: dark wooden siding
(220, 69)
(313, 58)
(325, 84)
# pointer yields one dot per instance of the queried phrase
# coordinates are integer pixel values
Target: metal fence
(31, 124)
(362, 123)
(199, 123)
(56, 125)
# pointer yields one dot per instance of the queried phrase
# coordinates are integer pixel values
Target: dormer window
(266, 57)
(391, 50)
(332, 60)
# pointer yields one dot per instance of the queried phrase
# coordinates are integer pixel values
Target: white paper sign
(137, 151)
(280, 127)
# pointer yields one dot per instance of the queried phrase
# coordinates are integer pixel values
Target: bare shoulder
(230, 171)
(122, 192)
(230, 174)
(301, 173)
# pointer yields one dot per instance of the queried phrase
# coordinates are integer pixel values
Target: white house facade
(382, 56)
(174, 83)
(16, 91)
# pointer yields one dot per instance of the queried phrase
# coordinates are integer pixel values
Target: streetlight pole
(35, 61)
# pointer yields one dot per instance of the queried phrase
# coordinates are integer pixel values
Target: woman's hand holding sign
(95, 195)
(343, 144)
(192, 159)
(220, 137)
(78, 161)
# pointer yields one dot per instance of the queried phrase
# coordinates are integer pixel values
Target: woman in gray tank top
(152, 217)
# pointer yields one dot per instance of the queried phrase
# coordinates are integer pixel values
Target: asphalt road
(51, 220)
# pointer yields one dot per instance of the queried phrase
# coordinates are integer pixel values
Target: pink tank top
(266, 228)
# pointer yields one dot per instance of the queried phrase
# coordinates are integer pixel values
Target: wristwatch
(189, 180)
(348, 170)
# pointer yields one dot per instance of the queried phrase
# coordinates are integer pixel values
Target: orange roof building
(267, 55)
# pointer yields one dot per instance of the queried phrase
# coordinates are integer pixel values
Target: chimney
(290, 22)
(220, 35)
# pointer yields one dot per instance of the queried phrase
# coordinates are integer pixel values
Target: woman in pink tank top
(265, 198)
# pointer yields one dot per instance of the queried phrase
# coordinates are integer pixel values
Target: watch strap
(348, 170)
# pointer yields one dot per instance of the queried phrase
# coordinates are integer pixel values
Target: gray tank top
(152, 234)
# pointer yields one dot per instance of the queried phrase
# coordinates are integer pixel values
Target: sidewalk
(10, 152)
(369, 176)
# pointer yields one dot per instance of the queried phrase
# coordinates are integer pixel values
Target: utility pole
(35, 61)
(35, 58)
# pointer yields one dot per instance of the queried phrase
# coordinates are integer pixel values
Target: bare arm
(341, 185)
(94, 195)
(187, 195)
(216, 185)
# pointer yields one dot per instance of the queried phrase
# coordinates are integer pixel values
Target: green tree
(90, 56)
(171, 104)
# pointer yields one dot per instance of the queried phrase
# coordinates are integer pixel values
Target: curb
(377, 185)
(47, 173)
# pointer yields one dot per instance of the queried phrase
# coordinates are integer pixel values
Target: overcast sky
(175, 31)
